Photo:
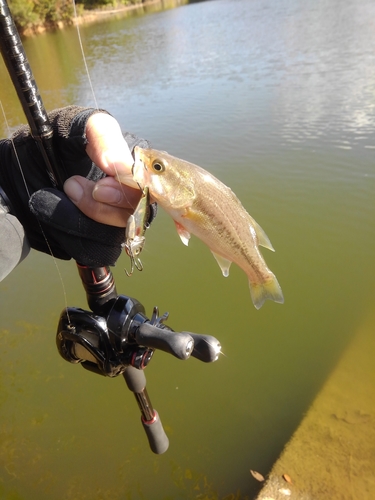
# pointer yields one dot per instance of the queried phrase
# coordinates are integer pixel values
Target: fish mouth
(138, 157)
(135, 156)
(139, 168)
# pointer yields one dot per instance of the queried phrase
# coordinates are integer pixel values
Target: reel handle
(180, 345)
(206, 347)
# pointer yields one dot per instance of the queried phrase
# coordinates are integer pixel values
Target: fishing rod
(115, 337)
(28, 94)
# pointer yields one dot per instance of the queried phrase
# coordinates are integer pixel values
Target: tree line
(29, 14)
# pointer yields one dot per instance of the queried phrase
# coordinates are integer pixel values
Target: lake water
(275, 98)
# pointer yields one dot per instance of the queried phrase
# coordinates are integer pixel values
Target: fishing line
(91, 84)
(29, 196)
(83, 54)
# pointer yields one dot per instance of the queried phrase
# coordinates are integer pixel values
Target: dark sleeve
(14, 246)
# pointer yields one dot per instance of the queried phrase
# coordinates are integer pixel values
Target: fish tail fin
(270, 289)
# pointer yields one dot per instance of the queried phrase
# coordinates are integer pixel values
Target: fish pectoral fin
(223, 263)
(263, 239)
(183, 233)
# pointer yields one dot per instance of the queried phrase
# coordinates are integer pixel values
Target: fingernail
(107, 194)
(74, 190)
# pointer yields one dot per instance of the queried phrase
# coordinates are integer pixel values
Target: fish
(200, 204)
(135, 232)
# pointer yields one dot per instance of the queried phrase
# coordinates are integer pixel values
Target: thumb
(108, 149)
(110, 205)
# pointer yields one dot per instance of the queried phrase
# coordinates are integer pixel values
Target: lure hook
(131, 269)
(138, 264)
(135, 262)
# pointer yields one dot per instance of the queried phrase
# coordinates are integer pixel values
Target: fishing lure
(135, 232)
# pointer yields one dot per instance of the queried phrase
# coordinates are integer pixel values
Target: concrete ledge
(332, 453)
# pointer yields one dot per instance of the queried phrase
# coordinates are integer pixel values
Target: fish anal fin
(183, 233)
(263, 239)
(270, 289)
(223, 263)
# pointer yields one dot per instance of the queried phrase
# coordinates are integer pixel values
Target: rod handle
(157, 438)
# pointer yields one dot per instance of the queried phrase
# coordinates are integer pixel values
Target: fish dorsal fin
(183, 233)
(262, 237)
(223, 263)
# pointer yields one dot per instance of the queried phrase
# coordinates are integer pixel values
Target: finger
(80, 191)
(108, 190)
(108, 149)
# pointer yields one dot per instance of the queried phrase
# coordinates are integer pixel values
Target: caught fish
(135, 232)
(202, 205)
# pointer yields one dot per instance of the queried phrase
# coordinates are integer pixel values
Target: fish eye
(158, 167)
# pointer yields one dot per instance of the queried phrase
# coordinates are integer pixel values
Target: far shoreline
(92, 16)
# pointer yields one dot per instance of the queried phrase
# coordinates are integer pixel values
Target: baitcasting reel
(117, 338)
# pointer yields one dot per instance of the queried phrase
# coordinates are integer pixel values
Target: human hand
(106, 201)
(52, 222)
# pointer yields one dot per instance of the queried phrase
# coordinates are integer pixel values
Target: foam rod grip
(156, 435)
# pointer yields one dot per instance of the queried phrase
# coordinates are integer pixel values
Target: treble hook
(131, 269)
(138, 264)
(135, 262)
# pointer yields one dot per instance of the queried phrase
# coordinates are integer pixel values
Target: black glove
(51, 221)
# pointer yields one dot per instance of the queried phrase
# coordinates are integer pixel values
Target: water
(275, 99)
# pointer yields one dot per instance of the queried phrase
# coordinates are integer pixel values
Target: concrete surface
(332, 454)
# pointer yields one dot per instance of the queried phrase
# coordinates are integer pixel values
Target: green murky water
(277, 100)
